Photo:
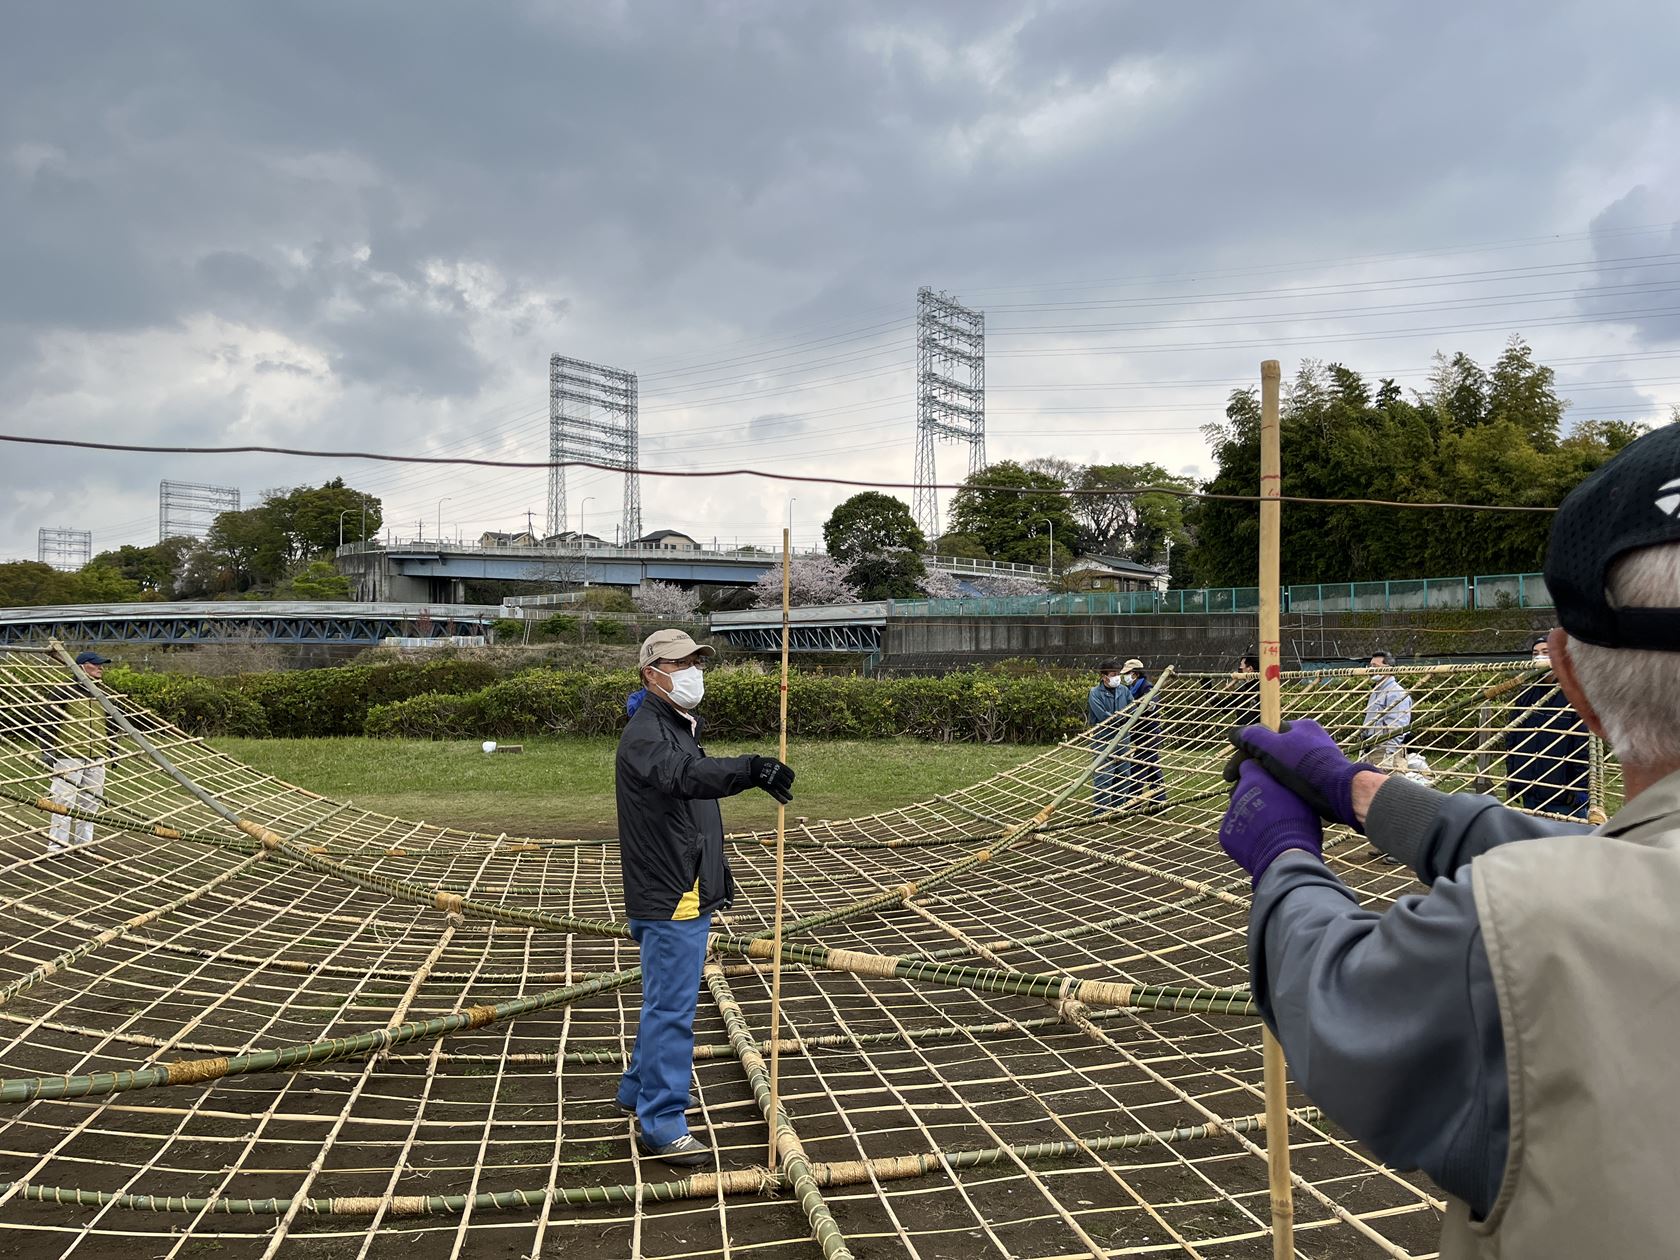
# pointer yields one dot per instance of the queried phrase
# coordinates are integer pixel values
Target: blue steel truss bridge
(267, 622)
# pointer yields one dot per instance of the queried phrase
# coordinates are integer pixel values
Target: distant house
(1111, 573)
(666, 540)
(495, 538)
(571, 538)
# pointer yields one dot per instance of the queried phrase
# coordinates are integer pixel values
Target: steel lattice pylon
(950, 392)
(187, 509)
(66, 549)
(592, 415)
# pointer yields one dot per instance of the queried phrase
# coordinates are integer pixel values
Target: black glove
(773, 777)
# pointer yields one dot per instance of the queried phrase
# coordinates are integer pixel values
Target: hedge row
(296, 704)
(744, 704)
(459, 698)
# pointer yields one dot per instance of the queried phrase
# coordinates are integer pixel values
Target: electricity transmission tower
(187, 510)
(66, 549)
(592, 415)
(950, 392)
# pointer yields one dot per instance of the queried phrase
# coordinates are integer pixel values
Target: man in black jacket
(670, 837)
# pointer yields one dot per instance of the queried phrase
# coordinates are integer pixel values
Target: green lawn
(564, 787)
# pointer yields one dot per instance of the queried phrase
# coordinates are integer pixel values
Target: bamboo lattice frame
(249, 1019)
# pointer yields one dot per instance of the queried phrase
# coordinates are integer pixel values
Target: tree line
(279, 549)
(1473, 435)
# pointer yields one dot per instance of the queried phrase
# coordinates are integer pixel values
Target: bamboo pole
(1271, 714)
(781, 850)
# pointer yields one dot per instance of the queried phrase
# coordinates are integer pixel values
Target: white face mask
(1112, 682)
(1128, 679)
(688, 687)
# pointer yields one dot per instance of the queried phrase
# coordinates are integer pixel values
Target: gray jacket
(1390, 1021)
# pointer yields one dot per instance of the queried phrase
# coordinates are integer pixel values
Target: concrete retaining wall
(1202, 642)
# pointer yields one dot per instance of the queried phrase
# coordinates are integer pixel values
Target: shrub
(198, 706)
(324, 702)
(556, 628)
(744, 704)
(507, 629)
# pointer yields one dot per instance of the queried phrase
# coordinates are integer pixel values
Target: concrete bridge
(241, 622)
(422, 570)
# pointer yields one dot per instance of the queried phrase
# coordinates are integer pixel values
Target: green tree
(889, 575)
(1009, 509)
(960, 547)
(29, 584)
(877, 540)
(1132, 527)
(871, 524)
(153, 569)
(256, 548)
(1471, 438)
(317, 580)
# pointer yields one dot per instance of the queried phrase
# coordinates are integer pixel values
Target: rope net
(247, 1018)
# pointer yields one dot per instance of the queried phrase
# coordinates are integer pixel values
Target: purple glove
(1303, 758)
(1266, 819)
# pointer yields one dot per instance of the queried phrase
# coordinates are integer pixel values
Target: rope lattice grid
(247, 1020)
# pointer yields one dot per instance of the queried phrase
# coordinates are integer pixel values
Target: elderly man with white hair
(1512, 1030)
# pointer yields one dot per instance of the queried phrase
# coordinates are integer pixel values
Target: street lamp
(587, 500)
(441, 502)
(341, 517)
(1052, 525)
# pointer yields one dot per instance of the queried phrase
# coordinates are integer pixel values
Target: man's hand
(1265, 820)
(1303, 758)
(774, 777)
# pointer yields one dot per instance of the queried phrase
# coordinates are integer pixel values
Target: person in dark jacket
(1106, 699)
(670, 837)
(1546, 748)
(1144, 780)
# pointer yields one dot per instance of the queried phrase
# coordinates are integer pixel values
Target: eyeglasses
(688, 662)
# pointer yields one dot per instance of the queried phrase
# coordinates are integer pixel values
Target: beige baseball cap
(1133, 664)
(671, 645)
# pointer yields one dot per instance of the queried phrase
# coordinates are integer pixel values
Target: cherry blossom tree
(815, 579)
(662, 599)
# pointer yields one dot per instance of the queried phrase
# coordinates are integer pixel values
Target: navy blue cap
(92, 658)
(1630, 503)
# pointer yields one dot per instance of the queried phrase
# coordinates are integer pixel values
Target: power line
(805, 479)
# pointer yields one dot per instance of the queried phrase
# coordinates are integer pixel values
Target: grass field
(564, 787)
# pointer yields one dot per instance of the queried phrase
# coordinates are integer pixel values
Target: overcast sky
(369, 225)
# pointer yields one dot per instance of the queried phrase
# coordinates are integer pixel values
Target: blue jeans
(1106, 786)
(656, 1082)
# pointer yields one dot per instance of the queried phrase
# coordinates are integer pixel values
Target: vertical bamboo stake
(781, 838)
(1271, 714)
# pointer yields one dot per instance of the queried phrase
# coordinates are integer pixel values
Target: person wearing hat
(78, 750)
(1546, 757)
(675, 872)
(1509, 1031)
(1104, 700)
(1144, 780)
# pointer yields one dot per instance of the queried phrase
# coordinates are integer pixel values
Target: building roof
(658, 534)
(1115, 565)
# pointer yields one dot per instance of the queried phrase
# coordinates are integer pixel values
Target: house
(666, 540)
(571, 538)
(1111, 573)
(495, 538)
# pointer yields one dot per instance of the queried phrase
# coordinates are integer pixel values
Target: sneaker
(685, 1152)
